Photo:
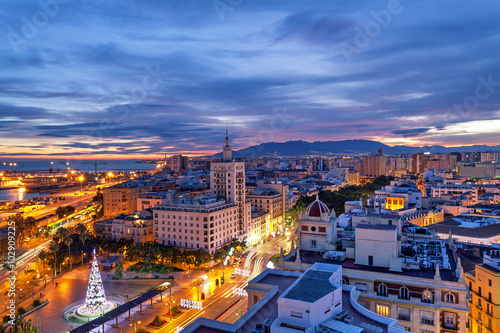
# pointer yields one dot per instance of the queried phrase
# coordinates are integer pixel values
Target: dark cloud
(125, 77)
(410, 132)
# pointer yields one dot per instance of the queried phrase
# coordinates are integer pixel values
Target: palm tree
(68, 240)
(61, 233)
(42, 256)
(54, 247)
(20, 226)
(30, 224)
(80, 228)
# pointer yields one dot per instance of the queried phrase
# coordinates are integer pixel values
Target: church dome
(317, 208)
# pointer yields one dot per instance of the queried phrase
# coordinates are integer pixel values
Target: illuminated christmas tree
(96, 298)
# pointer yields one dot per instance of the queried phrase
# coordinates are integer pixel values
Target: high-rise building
(227, 181)
(419, 163)
(178, 163)
(375, 165)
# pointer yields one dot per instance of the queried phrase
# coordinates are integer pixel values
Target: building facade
(193, 223)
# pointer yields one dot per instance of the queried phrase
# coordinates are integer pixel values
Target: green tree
(201, 257)
(157, 321)
(42, 256)
(118, 271)
(99, 197)
(80, 228)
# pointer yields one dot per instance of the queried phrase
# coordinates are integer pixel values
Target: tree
(61, 234)
(157, 321)
(118, 271)
(201, 257)
(30, 223)
(68, 241)
(42, 256)
(99, 197)
(22, 326)
(81, 228)
(99, 230)
(20, 226)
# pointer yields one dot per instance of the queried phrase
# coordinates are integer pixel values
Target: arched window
(344, 281)
(404, 293)
(382, 290)
(427, 296)
(449, 298)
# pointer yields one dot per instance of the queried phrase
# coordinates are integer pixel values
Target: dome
(317, 208)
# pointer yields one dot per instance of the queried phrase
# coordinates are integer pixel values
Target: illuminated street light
(81, 182)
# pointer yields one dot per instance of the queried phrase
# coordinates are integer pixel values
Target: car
(233, 276)
(240, 263)
(234, 264)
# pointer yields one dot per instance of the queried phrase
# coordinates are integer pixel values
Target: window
(404, 293)
(296, 314)
(305, 228)
(328, 309)
(427, 296)
(383, 310)
(449, 298)
(313, 243)
(489, 282)
(382, 290)
(404, 314)
(427, 317)
(313, 229)
(449, 320)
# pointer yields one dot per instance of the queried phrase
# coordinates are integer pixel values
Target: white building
(315, 297)
(193, 223)
(317, 228)
(227, 182)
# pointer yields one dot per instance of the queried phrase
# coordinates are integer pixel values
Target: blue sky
(142, 78)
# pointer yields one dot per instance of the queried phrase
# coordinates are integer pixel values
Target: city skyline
(140, 80)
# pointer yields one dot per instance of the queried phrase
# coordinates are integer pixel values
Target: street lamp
(135, 326)
(81, 182)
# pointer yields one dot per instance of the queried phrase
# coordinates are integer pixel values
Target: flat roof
(376, 226)
(311, 286)
(311, 257)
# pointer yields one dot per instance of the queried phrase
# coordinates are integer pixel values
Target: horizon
(130, 80)
(209, 154)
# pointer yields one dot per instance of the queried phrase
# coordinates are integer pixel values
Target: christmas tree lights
(95, 300)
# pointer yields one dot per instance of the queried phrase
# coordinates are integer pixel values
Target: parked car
(240, 263)
(233, 276)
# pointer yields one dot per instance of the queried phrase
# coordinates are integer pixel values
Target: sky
(139, 79)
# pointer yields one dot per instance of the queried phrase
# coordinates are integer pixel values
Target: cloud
(85, 83)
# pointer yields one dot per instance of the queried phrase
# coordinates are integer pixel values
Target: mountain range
(301, 148)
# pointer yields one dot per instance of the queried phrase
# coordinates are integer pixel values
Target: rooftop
(310, 257)
(376, 226)
(312, 286)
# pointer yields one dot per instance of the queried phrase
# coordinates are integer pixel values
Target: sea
(19, 164)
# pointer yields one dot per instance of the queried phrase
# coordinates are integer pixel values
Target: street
(220, 302)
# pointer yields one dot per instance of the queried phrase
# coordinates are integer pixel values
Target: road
(222, 305)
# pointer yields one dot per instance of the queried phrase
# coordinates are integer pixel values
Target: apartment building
(138, 227)
(484, 287)
(270, 202)
(193, 223)
(122, 198)
(260, 222)
(374, 165)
